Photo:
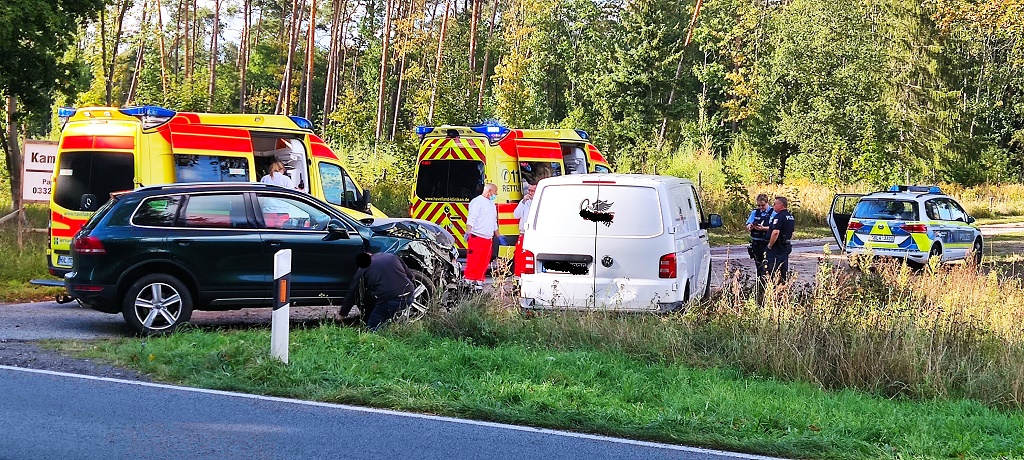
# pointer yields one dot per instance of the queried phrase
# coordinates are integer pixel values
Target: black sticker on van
(597, 211)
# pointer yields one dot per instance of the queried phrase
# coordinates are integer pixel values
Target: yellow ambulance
(455, 162)
(108, 149)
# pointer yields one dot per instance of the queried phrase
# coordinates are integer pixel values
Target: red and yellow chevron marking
(450, 216)
(453, 148)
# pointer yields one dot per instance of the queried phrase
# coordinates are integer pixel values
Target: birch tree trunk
(437, 62)
(332, 64)
(385, 41)
(213, 55)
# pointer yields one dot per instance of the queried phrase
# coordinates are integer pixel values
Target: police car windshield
(886, 209)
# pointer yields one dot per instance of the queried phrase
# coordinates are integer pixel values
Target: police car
(914, 223)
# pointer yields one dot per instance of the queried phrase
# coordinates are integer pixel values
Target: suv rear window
(886, 210)
(86, 179)
(449, 180)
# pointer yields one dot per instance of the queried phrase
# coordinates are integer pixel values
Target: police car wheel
(976, 254)
(935, 252)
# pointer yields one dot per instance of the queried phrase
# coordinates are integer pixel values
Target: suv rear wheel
(157, 303)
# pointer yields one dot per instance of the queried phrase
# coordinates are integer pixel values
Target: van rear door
(564, 246)
(630, 229)
(839, 215)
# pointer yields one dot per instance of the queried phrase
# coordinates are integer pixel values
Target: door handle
(274, 243)
(183, 242)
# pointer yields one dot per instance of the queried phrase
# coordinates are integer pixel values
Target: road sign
(37, 171)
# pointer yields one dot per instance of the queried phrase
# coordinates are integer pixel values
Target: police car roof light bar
(916, 188)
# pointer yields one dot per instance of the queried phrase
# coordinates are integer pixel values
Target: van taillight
(854, 225)
(88, 245)
(667, 266)
(529, 263)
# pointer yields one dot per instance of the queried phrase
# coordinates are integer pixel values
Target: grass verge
(19, 265)
(586, 390)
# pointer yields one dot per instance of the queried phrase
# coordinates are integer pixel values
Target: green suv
(158, 253)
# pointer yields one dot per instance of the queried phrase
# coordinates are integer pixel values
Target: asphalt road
(45, 415)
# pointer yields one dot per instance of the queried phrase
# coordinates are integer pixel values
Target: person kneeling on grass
(388, 280)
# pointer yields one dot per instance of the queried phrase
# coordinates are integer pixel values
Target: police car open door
(839, 216)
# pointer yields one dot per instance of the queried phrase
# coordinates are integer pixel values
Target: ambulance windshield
(457, 181)
(85, 179)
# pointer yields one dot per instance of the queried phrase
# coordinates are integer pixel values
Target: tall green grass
(19, 265)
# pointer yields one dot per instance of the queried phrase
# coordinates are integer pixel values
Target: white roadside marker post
(282, 305)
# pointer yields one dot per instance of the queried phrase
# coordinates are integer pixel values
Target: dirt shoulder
(33, 355)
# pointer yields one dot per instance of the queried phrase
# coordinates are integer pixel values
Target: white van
(616, 242)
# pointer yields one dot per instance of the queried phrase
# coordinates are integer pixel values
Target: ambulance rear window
(886, 210)
(449, 180)
(86, 179)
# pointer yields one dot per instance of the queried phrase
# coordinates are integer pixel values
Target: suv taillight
(915, 228)
(87, 245)
(529, 263)
(667, 266)
(854, 225)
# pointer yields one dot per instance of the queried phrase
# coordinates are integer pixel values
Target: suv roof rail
(210, 184)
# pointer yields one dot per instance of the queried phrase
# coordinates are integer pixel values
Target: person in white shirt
(522, 209)
(277, 176)
(481, 229)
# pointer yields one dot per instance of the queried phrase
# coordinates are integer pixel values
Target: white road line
(569, 434)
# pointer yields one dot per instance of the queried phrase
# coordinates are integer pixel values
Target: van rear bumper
(543, 292)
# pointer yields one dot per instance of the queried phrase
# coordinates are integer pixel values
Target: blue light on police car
(934, 189)
(148, 111)
(301, 122)
(424, 130)
(66, 112)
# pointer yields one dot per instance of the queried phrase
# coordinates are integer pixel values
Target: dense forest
(840, 91)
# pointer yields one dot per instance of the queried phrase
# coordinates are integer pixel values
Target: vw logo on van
(607, 261)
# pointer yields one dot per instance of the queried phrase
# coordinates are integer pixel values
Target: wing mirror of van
(714, 221)
(336, 230)
(970, 219)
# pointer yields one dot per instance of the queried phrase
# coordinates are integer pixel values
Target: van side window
(209, 168)
(679, 206)
(696, 200)
(338, 187)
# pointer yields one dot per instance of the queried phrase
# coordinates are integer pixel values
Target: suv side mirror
(714, 221)
(336, 230)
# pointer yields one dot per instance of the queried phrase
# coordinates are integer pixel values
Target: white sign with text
(37, 170)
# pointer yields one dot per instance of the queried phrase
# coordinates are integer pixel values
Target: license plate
(883, 238)
(64, 261)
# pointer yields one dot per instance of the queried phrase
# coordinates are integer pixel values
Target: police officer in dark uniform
(780, 232)
(757, 224)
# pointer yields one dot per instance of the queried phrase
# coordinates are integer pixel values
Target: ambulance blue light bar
(424, 130)
(149, 111)
(301, 122)
(916, 188)
(66, 112)
(583, 134)
(494, 132)
(151, 115)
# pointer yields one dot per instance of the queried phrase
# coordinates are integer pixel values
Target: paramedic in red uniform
(522, 209)
(481, 230)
